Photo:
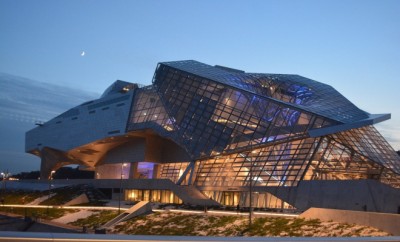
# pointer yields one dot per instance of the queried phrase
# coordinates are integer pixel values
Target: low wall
(355, 195)
(386, 222)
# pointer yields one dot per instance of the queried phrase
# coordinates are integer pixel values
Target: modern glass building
(221, 131)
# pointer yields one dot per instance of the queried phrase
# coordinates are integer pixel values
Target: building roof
(295, 90)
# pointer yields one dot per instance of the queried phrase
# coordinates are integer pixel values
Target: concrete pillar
(133, 172)
(50, 161)
(156, 171)
(45, 169)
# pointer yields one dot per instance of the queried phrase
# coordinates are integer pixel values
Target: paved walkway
(126, 207)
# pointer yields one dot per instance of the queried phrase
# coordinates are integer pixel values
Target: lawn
(38, 213)
(168, 223)
(20, 197)
(95, 220)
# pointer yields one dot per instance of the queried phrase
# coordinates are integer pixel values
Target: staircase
(94, 195)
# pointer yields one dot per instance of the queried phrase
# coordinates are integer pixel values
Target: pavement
(28, 237)
(114, 206)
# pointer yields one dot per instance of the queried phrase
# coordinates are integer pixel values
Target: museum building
(203, 134)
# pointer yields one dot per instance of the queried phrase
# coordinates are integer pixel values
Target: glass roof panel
(296, 90)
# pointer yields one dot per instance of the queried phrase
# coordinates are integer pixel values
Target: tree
(62, 173)
(73, 173)
(27, 175)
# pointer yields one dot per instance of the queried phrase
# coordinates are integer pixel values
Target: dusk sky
(352, 45)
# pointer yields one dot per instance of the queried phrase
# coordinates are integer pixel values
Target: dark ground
(11, 222)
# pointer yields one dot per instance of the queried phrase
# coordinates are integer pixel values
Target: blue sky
(352, 45)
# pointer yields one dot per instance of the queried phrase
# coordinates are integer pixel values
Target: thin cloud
(390, 133)
(23, 102)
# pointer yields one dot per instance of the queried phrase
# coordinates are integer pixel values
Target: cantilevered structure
(294, 141)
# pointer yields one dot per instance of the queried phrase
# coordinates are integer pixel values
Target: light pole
(48, 198)
(251, 192)
(251, 186)
(120, 188)
(3, 188)
(5, 176)
(51, 178)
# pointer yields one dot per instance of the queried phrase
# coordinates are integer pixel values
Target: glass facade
(161, 196)
(212, 118)
(246, 127)
(276, 165)
(260, 199)
(173, 171)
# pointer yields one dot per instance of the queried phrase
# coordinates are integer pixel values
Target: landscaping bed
(169, 223)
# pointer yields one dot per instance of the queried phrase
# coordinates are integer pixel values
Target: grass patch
(20, 197)
(63, 195)
(38, 213)
(167, 223)
(95, 220)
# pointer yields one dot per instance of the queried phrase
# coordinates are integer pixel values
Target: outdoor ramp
(136, 210)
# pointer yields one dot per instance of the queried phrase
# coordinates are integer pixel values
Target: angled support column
(183, 176)
(133, 172)
(156, 171)
(52, 160)
(191, 173)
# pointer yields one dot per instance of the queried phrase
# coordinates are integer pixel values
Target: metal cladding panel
(83, 124)
(373, 119)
